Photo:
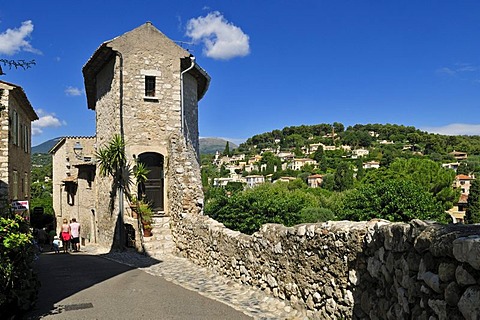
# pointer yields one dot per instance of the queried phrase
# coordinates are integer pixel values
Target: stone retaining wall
(347, 270)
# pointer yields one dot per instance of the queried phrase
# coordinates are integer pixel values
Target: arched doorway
(153, 189)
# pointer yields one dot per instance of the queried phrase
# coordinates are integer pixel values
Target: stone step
(161, 241)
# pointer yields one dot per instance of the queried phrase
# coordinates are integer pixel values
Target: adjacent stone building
(73, 183)
(145, 88)
(16, 116)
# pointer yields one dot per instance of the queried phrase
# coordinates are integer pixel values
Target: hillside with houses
(335, 158)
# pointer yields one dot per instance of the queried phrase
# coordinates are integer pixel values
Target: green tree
(234, 186)
(226, 151)
(360, 169)
(328, 182)
(18, 281)
(424, 172)
(318, 154)
(315, 214)
(271, 161)
(343, 177)
(393, 200)
(247, 210)
(338, 127)
(463, 168)
(473, 208)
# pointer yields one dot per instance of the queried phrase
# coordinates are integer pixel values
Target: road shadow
(64, 274)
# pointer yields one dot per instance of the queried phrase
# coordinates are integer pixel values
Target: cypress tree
(473, 209)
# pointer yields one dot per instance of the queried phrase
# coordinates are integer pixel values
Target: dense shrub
(313, 215)
(18, 282)
(394, 200)
(246, 211)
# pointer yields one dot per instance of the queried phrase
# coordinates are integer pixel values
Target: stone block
(467, 249)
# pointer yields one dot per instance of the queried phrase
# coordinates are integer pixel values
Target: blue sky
(272, 63)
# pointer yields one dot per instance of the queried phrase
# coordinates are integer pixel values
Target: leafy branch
(16, 64)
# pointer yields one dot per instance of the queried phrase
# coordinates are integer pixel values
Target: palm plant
(140, 172)
(112, 161)
(112, 158)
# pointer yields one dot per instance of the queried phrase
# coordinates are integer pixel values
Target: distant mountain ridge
(45, 146)
(212, 145)
(207, 145)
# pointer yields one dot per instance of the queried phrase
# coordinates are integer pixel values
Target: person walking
(65, 235)
(75, 232)
(56, 244)
(42, 236)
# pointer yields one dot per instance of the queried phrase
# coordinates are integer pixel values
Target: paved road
(82, 286)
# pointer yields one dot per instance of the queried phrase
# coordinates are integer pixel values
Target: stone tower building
(146, 88)
(17, 115)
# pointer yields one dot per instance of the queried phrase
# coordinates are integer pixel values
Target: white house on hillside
(297, 164)
(254, 180)
(360, 153)
(315, 180)
(371, 165)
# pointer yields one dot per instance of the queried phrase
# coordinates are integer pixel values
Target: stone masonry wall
(347, 270)
(4, 140)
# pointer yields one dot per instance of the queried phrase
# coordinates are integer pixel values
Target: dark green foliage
(343, 177)
(463, 168)
(434, 145)
(360, 169)
(407, 157)
(272, 162)
(226, 151)
(473, 209)
(393, 200)
(318, 155)
(41, 189)
(41, 160)
(427, 174)
(233, 186)
(328, 182)
(18, 282)
(472, 165)
(357, 138)
(314, 214)
(269, 203)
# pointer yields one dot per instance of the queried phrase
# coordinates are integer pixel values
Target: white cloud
(15, 40)
(447, 71)
(72, 91)
(45, 121)
(455, 129)
(458, 68)
(222, 39)
(36, 131)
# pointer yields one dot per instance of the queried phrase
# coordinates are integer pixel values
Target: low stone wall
(347, 270)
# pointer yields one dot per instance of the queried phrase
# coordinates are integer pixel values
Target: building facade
(17, 115)
(145, 88)
(74, 185)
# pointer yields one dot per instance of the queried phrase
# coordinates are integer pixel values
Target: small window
(15, 128)
(15, 185)
(25, 186)
(149, 86)
(26, 139)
